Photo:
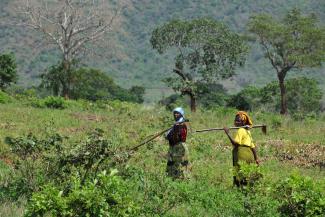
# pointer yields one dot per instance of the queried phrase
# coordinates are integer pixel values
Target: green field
(290, 147)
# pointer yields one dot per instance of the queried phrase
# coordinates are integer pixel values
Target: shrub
(300, 196)
(42, 161)
(8, 70)
(54, 102)
(173, 101)
(4, 98)
(303, 96)
(211, 95)
(247, 99)
(32, 168)
(50, 102)
(106, 195)
(87, 83)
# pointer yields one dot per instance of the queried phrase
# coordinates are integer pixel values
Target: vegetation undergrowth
(76, 160)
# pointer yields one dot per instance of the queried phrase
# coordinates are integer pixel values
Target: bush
(247, 99)
(42, 161)
(211, 95)
(32, 167)
(87, 83)
(54, 102)
(173, 101)
(8, 70)
(106, 195)
(50, 102)
(4, 98)
(300, 196)
(303, 96)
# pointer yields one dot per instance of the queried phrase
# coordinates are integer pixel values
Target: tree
(55, 79)
(8, 70)
(211, 95)
(304, 96)
(294, 42)
(138, 92)
(70, 25)
(90, 84)
(205, 49)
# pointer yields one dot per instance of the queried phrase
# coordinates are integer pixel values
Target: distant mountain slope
(133, 62)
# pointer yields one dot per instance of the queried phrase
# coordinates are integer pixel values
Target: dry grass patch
(302, 155)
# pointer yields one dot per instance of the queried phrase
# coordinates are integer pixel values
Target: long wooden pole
(247, 127)
(154, 136)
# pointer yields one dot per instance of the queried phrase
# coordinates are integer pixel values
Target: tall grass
(210, 153)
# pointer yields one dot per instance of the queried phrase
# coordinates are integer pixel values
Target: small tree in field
(293, 42)
(205, 49)
(8, 70)
(69, 25)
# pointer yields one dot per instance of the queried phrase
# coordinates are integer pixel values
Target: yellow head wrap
(244, 118)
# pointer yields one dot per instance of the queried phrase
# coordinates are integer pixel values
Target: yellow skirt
(241, 154)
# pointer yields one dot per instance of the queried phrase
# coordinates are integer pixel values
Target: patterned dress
(178, 165)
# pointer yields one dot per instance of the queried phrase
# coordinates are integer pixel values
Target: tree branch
(180, 73)
(270, 56)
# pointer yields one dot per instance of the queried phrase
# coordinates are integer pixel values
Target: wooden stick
(155, 136)
(246, 127)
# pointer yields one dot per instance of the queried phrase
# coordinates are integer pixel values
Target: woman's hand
(226, 129)
(257, 161)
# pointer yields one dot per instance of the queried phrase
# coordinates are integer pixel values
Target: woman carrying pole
(178, 165)
(244, 149)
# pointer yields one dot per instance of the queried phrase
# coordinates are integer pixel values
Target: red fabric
(177, 134)
(183, 133)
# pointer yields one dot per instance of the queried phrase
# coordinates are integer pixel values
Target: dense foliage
(304, 96)
(8, 70)
(294, 42)
(206, 51)
(87, 83)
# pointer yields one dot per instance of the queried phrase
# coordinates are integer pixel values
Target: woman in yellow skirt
(244, 149)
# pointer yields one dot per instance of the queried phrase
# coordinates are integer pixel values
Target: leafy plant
(50, 102)
(4, 98)
(54, 102)
(8, 70)
(105, 195)
(300, 196)
(31, 165)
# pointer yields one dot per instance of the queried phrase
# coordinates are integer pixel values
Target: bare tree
(69, 25)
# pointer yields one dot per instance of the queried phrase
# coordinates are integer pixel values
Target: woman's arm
(255, 156)
(233, 142)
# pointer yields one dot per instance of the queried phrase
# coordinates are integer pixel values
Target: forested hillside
(130, 59)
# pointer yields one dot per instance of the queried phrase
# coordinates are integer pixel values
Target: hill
(131, 59)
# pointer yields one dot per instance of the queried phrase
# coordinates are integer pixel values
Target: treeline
(207, 51)
(304, 96)
(79, 83)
